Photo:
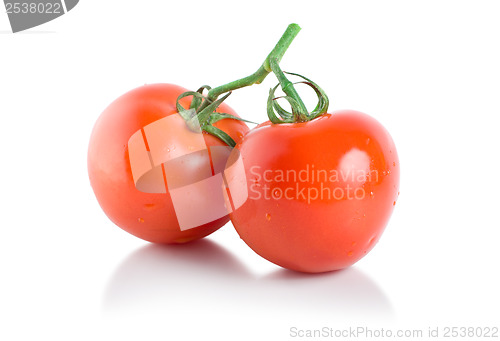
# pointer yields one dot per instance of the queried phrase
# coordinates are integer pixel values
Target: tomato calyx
(299, 111)
(201, 114)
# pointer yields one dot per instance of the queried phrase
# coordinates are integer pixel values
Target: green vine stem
(258, 76)
(203, 107)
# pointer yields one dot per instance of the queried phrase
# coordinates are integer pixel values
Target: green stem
(203, 108)
(290, 91)
(258, 76)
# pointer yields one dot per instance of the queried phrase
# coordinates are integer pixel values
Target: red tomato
(314, 196)
(139, 200)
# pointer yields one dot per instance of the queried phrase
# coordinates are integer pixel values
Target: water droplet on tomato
(372, 194)
(350, 253)
(141, 220)
(268, 216)
(394, 203)
(394, 163)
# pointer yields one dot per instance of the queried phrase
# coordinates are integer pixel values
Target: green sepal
(285, 115)
(204, 115)
(187, 114)
(272, 105)
(197, 100)
(297, 114)
(217, 116)
(220, 134)
(323, 101)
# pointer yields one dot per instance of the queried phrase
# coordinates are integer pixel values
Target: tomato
(314, 196)
(127, 161)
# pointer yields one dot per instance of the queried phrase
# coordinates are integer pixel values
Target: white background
(428, 70)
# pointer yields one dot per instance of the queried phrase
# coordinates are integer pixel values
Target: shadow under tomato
(158, 277)
(203, 279)
(348, 292)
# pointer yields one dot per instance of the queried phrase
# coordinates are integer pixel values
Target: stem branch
(258, 76)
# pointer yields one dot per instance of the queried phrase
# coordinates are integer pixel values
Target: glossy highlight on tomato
(150, 216)
(319, 193)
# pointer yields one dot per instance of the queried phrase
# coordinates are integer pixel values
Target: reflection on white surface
(174, 278)
(203, 278)
(346, 292)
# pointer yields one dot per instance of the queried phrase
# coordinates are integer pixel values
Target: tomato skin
(149, 216)
(329, 232)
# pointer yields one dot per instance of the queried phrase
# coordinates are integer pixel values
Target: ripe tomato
(314, 196)
(129, 146)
